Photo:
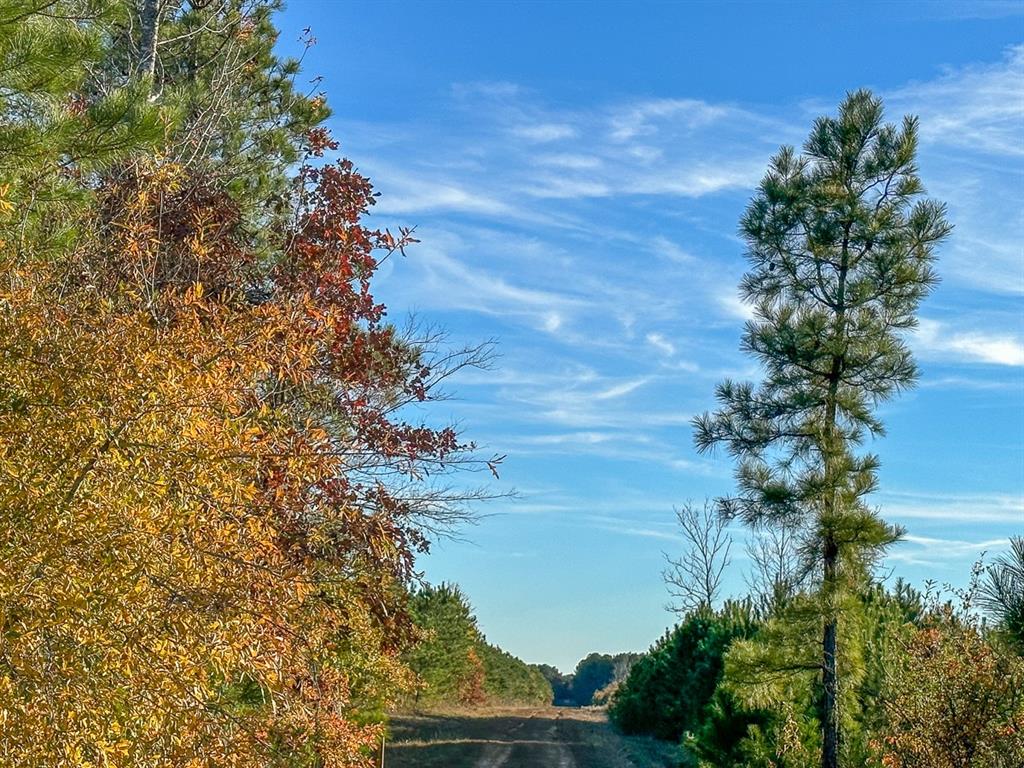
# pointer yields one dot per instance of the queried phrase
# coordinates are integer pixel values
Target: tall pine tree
(841, 248)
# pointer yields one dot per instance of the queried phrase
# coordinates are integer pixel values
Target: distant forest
(455, 665)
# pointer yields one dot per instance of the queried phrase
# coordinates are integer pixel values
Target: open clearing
(536, 737)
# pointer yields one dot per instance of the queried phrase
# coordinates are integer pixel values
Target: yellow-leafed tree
(210, 503)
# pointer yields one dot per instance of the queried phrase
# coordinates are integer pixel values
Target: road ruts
(544, 737)
(496, 754)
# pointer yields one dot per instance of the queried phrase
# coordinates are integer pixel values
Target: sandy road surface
(544, 737)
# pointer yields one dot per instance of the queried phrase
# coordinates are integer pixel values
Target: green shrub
(668, 690)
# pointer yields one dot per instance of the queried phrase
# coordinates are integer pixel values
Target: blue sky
(576, 172)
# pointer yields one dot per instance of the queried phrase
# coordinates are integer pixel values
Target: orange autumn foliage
(209, 505)
(954, 701)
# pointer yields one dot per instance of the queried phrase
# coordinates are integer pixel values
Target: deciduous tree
(953, 701)
(695, 577)
(212, 499)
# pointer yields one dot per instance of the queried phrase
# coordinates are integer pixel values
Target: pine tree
(841, 249)
(1002, 592)
(443, 657)
(56, 133)
(242, 114)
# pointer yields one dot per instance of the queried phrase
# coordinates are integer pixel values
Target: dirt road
(545, 737)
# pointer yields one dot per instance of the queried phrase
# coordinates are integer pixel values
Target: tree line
(927, 681)
(592, 681)
(454, 663)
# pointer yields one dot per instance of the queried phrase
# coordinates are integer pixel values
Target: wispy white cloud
(563, 187)
(979, 108)
(663, 246)
(578, 412)
(618, 390)
(544, 132)
(972, 146)
(576, 162)
(947, 546)
(520, 507)
(663, 527)
(497, 89)
(552, 322)
(733, 306)
(598, 242)
(967, 383)
(638, 118)
(442, 275)
(578, 398)
(661, 344)
(980, 508)
(647, 533)
(933, 551)
(935, 339)
(475, 289)
(566, 438)
(407, 193)
(682, 179)
(695, 179)
(665, 147)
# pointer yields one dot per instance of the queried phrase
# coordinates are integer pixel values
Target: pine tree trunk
(829, 678)
(830, 586)
(149, 20)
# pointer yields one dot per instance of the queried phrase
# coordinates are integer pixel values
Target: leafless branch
(695, 578)
(777, 570)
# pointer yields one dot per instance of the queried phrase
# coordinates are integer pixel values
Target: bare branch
(695, 578)
(777, 568)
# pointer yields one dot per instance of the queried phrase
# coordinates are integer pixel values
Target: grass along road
(536, 737)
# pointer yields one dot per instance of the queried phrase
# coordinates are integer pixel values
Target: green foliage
(76, 99)
(242, 115)
(770, 679)
(591, 675)
(1002, 593)
(442, 659)
(668, 690)
(507, 680)
(55, 134)
(595, 673)
(840, 248)
(49, 122)
(561, 685)
(721, 738)
(454, 662)
(886, 619)
(924, 685)
(840, 258)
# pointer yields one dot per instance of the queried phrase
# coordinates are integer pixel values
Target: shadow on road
(526, 738)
